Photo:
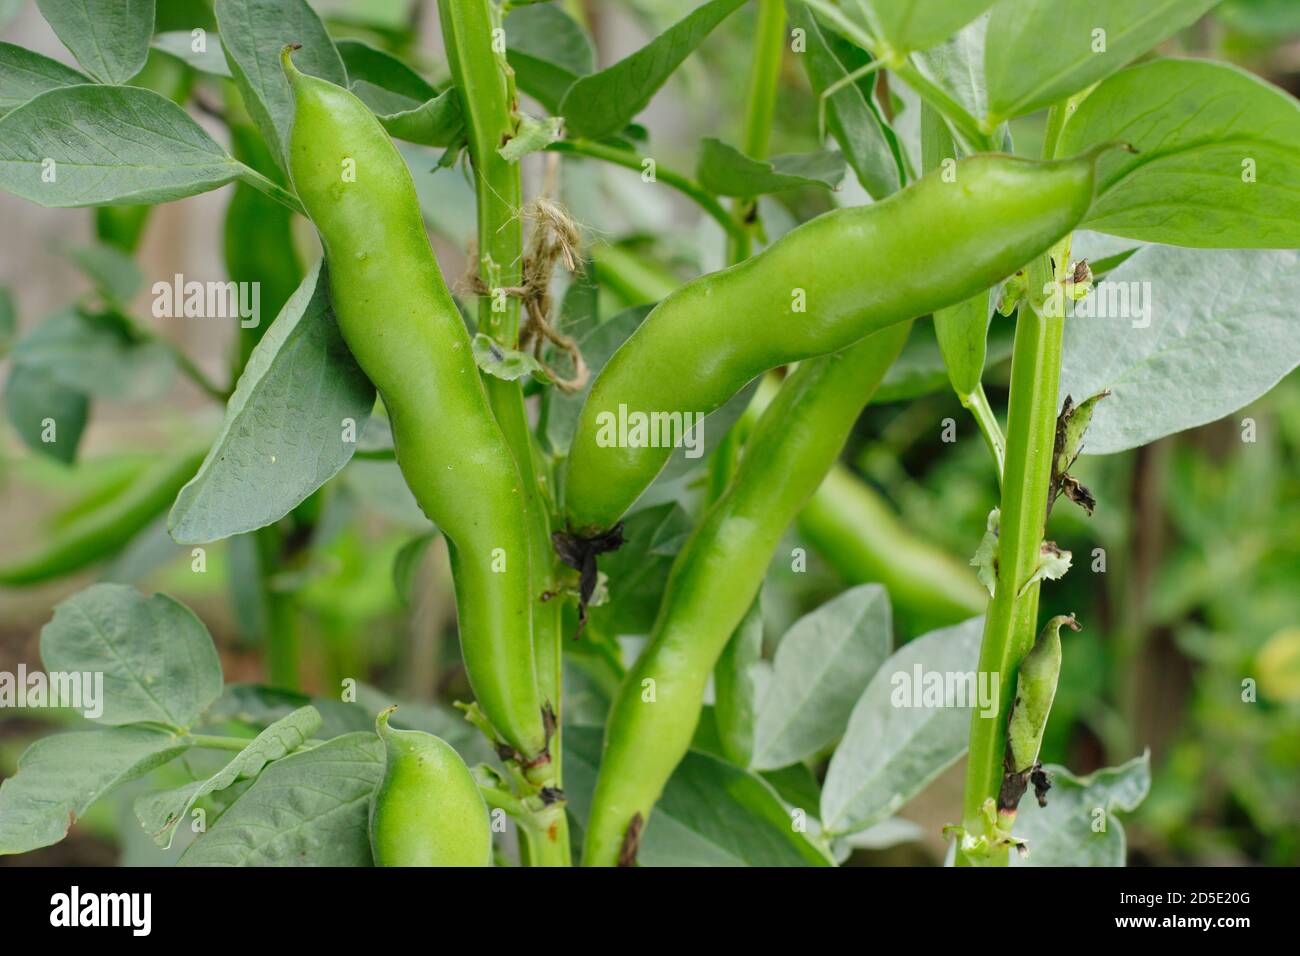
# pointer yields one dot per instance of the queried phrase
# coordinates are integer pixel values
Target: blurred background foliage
(1187, 580)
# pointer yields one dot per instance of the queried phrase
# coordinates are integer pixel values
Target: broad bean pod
(714, 580)
(400, 322)
(818, 289)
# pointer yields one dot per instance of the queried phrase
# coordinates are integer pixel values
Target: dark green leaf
(1216, 163)
(253, 33)
(381, 70)
(1041, 51)
(47, 415)
(24, 74)
(91, 353)
(157, 658)
(727, 171)
(59, 777)
(325, 822)
(548, 50)
(286, 429)
(94, 145)
(603, 103)
(851, 114)
(111, 40)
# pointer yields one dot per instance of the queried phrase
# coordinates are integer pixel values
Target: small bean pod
(400, 322)
(714, 579)
(427, 810)
(818, 289)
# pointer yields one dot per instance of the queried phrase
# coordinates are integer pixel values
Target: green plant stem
(467, 27)
(276, 192)
(760, 107)
(977, 137)
(279, 614)
(683, 184)
(978, 404)
(193, 372)
(1009, 628)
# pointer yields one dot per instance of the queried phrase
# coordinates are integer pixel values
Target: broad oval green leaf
(727, 171)
(48, 416)
(324, 824)
(851, 114)
(24, 74)
(1065, 832)
(157, 658)
(603, 103)
(908, 25)
(1041, 51)
(253, 33)
(59, 777)
(822, 665)
(286, 429)
(111, 40)
(890, 752)
(1217, 156)
(1181, 338)
(159, 813)
(381, 70)
(548, 50)
(94, 145)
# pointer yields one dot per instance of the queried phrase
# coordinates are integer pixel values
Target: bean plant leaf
(908, 25)
(736, 686)
(253, 33)
(727, 171)
(822, 665)
(157, 658)
(25, 74)
(1078, 827)
(509, 365)
(851, 114)
(1180, 338)
(921, 369)
(97, 145)
(60, 776)
(548, 50)
(957, 64)
(905, 730)
(531, 135)
(291, 425)
(603, 103)
(710, 814)
(159, 813)
(1041, 51)
(200, 50)
(436, 122)
(91, 353)
(110, 40)
(115, 274)
(1216, 163)
(380, 70)
(324, 824)
(48, 416)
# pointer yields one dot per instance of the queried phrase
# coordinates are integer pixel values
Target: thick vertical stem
(486, 86)
(1009, 628)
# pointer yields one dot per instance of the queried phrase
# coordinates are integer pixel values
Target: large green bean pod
(105, 530)
(402, 325)
(818, 289)
(715, 577)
